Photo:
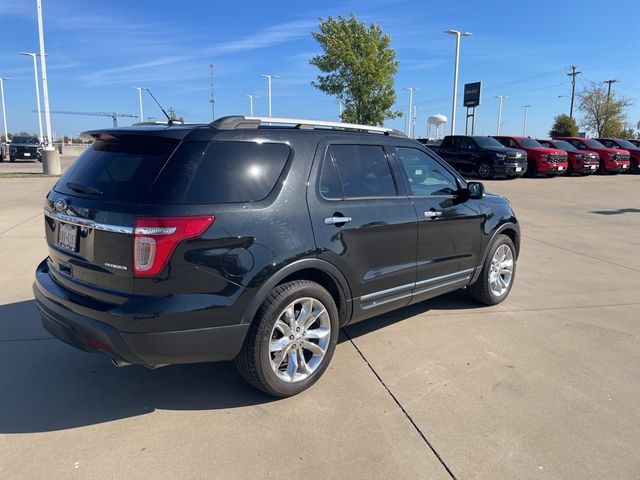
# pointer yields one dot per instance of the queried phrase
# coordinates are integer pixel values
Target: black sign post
(472, 92)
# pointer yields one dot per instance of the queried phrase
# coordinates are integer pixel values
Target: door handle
(432, 214)
(336, 220)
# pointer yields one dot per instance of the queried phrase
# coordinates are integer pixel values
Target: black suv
(256, 240)
(25, 148)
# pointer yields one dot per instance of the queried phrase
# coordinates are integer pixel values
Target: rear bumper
(149, 348)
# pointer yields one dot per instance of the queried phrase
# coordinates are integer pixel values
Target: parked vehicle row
(24, 148)
(513, 156)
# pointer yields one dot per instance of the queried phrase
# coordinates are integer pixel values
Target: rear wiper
(76, 187)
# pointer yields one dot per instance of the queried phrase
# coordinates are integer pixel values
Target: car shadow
(46, 385)
(619, 211)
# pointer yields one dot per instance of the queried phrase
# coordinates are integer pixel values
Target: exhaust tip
(119, 363)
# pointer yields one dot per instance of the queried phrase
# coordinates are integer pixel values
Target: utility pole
(413, 121)
(251, 104)
(609, 83)
(269, 79)
(4, 113)
(140, 89)
(524, 125)
(408, 129)
(212, 100)
(339, 110)
(50, 157)
(500, 98)
(606, 111)
(35, 75)
(573, 74)
(456, 63)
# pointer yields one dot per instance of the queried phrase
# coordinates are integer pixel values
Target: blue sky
(98, 51)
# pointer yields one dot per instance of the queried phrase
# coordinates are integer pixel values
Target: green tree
(603, 113)
(563, 126)
(359, 67)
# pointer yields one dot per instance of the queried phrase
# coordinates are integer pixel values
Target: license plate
(593, 167)
(560, 169)
(68, 236)
(27, 154)
(625, 166)
(518, 169)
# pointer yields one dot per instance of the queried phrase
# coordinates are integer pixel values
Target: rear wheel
(291, 340)
(497, 274)
(486, 171)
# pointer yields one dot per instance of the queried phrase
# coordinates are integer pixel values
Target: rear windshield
(118, 169)
(135, 169)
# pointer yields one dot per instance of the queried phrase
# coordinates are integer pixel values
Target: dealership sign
(472, 94)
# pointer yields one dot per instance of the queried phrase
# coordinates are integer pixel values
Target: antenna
(160, 106)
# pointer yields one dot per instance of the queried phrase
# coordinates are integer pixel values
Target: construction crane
(114, 116)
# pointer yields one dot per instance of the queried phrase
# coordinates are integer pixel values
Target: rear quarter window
(222, 172)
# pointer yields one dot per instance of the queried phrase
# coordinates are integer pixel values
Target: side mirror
(475, 190)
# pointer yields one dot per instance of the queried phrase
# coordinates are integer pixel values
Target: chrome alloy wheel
(501, 271)
(299, 339)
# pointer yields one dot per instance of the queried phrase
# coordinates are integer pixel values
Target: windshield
(566, 146)
(31, 140)
(530, 142)
(626, 144)
(594, 144)
(486, 142)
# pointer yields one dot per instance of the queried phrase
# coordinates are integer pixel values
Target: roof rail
(235, 122)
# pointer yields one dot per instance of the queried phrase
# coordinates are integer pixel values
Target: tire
(12, 159)
(255, 361)
(635, 167)
(486, 171)
(481, 290)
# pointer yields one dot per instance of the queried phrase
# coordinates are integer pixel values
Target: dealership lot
(545, 385)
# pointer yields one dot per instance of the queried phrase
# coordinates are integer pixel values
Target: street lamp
(500, 98)
(35, 76)
(269, 79)
(458, 34)
(50, 158)
(524, 125)
(140, 89)
(408, 131)
(251, 97)
(4, 111)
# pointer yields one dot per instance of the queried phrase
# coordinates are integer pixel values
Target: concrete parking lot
(543, 386)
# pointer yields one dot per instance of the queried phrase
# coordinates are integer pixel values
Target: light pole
(35, 76)
(413, 121)
(50, 158)
(339, 109)
(269, 79)
(140, 89)
(251, 97)
(500, 98)
(410, 90)
(4, 111)
(458, 34)
(524, 125)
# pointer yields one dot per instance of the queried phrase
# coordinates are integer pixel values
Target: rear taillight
(156, 239)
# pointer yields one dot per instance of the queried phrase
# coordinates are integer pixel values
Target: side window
(363, 170)
(330, 186)
(504, 141)
(426, 176)
(576, 144)
(466, 144)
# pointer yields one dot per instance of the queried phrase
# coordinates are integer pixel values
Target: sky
(98, 51)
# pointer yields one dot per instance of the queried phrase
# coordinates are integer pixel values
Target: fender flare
(297, 266)
(497, 231)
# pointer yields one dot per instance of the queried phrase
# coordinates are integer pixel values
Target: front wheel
(497, 274)
(486, 171)
(291, 340)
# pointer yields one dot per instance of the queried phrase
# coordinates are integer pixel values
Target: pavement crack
(21, 223)
(401, 407)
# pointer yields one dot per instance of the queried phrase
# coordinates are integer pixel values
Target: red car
(583, 162)
(619, 144)
(611, 160)
(548, 161)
